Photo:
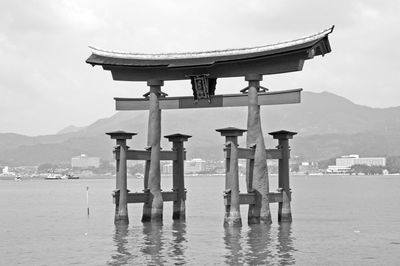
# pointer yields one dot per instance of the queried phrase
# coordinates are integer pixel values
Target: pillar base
(153, 210)
(259, 213)
(152, 215)
(236, 222)
(284, 213)
(233, 219)
(259, 220)
(179, 211)
(266, 219)
(284, 209)
(285, 218)
(121, 219)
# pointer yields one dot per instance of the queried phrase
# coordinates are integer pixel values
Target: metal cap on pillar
(282, 134)
(119, 134)
(253, 77)
(177, 137)
(231, 131)
(155, 82)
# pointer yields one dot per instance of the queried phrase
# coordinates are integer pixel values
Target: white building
(335, 169)
(6, 172)
(167, 168)
(83, 161)
(195, 166)
(353, 159)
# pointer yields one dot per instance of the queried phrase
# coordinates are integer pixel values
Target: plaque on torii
(203, 69)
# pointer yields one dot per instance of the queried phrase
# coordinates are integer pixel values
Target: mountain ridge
(329, 125)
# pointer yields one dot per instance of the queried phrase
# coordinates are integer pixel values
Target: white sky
(45, 84)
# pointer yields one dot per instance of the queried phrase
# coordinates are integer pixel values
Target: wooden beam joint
(143, 197)
(250, 198)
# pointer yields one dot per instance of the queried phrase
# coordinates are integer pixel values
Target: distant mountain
(69, 129)
(328, 126)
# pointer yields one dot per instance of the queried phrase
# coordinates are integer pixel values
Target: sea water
(337, 220)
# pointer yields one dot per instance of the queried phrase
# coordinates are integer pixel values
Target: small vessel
(139, 176)
(17, 178)
(53, 176)
(71, 176)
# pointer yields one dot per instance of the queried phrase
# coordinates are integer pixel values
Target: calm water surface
(338, 220)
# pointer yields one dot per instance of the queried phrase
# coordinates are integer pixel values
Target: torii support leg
(153, 209)
(121, 192)
(231, 195)
(122, 214)
(284, 209)
(178, 177)
(232, 215)
(260, 211)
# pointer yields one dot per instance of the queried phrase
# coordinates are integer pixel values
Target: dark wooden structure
(203, 69)
(121, 194)
(232, 197)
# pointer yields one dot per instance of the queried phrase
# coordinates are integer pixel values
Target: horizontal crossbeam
(146, 155)
(246, 153)
(228, 100)
(250, 198)
(142, 197)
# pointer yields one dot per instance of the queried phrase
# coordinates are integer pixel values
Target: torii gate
(203, 69)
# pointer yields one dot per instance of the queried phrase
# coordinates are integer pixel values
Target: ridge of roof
(203, 54)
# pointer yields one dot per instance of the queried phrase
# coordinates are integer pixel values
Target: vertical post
(231, 195)
(260, 211)
(284, 209)
(121, 192)
(178, 177)
(146, 176)
(87, 201)
(153, 209)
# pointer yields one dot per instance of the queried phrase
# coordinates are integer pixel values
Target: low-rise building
(353, 159)
(195, 166)
(84, 161)
(335, 169)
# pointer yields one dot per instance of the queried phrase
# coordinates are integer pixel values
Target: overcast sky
(46, 85)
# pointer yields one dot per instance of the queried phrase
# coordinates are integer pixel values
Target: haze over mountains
(328, 126)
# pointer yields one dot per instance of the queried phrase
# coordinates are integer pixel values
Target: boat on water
(18, 178)
(53, 176)
(139, 176)
(71, 176)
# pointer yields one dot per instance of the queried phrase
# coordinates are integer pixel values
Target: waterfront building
(167, 169)
(84, 161)
(353, 159)
(307, 167)
(7, 172)
(195, 166)
(335, 169)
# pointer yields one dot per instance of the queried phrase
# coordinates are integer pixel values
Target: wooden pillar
(284, 210)
(153, 209)
(121, 190)
(146, 174)
(260, 211)
(231, 195)
(178, 177)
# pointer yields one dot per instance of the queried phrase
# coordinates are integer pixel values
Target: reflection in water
(232, 242)
(150, 244)
(259, 241)
(262, 245)
(153, 243)
(285, 244)
(120, 239)
(179, 243)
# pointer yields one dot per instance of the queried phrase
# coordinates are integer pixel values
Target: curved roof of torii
(268, 59)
